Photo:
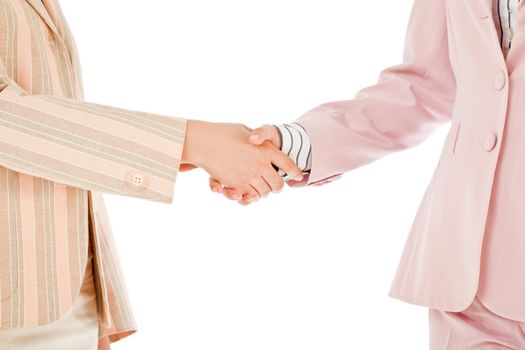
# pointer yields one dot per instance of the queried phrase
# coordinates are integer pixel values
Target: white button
(499, 80)
(490, 141)
(137, 180)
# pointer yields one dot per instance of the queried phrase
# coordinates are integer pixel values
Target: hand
(223, 150)
(266, 133)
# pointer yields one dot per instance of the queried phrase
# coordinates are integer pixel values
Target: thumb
(265, 133)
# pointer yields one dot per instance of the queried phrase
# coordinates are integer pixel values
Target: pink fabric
(477, 327)
(453, 71)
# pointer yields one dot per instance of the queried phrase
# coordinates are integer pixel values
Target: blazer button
(490, 142)
(138, 180)
(499, 80)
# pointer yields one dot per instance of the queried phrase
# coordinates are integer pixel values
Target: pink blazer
(453, 70)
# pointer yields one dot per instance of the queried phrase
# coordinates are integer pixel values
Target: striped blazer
(57, 155)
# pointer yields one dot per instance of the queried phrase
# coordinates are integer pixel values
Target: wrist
(192, 150)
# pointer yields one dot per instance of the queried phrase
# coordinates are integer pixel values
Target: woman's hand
(241, 167)
(265, 133)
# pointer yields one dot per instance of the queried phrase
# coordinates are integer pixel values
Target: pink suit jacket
(453, 70)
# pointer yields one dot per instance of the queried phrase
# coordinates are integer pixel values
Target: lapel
(483, 13)
(45, 10)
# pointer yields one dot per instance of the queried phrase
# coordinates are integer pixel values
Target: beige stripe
(40, 251)
(114, 288)
(16, 248)
(73, 212)
(34, 169)
(5, 259)
(40, 64)
(17, 144)
(11, 224)
(24, 48)
(51, 84)
(67, 72)
(71, 50)
(29, 249)
(21, 262)
(9, 34)
(53, 244)
(85, 120)
(66, 174)
(12, 45)
(83, 233)
(13, 249)
(150, 161)
(116, 277)
(53, 69)
(62, 246)
(167, 127)
(49, 251)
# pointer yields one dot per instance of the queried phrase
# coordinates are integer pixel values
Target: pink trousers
(474, 328)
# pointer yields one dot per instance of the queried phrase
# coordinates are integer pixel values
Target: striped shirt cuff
(296, 144)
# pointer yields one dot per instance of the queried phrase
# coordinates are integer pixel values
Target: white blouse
(505, 18)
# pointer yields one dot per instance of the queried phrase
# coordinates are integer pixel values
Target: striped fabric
(295, 143)
(57, 155)
(506, 17)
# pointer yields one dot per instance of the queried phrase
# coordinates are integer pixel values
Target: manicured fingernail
(254, 137)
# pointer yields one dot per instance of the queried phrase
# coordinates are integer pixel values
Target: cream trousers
(76, 330)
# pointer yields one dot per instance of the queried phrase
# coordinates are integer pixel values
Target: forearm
(408, 102)
(89, 146)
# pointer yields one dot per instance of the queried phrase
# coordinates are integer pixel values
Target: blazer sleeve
(87, 145)
(401, 110)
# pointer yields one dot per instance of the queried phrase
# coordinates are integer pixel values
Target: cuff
(295, 143)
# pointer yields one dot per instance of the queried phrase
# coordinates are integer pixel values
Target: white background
(307, 269)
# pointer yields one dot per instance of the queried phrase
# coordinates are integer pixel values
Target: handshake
(243, 164)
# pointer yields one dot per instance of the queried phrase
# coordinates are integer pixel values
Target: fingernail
(254, 138)
(237, 196)
(298, 177)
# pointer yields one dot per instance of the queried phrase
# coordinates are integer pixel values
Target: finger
(261, 186)
(275, 181)
(216, 186)
(293, 183)
(232, 194)
(265, 133)
(283, 162)
(246, 200)
(251, 196)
